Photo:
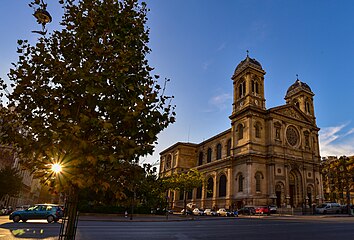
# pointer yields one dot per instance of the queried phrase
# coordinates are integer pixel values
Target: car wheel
(16, 218)
(324, 212)
(24, 220)
(50, 219)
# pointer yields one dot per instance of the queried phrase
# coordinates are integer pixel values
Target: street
(274, 228)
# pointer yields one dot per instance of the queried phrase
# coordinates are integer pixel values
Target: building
(30, 188)
(268, 156)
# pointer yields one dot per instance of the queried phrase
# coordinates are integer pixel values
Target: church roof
(297, 87)
(247, 62)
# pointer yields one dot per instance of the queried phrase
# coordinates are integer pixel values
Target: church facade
(268, 156)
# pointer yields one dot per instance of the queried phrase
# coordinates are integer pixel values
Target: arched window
(200, 160)
(189, 194)
(257, 129)
(222, 186)
(240, 183)
(218, 151)
(199, 193)
(255, 88)
(240, 131)
(209, 155)
(181, 195)
(228, 148)
(210, 188)
(242, 89)
(258, 182)
(307, 107)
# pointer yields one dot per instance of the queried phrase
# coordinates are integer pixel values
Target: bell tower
(248, 82)
(301, 96)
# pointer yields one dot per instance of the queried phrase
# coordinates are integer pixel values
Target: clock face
(292, 136)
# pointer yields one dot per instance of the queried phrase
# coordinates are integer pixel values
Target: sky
(197, 44)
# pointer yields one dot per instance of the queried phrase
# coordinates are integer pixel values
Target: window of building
(257, 129)
(210, 188)
(240, 131)
(168, 161)
(200, 160)
(218, 151)
(181, 195)
(189, 194)
(209, 155)
(240, 183)
(228, 148)
(307, 107)
(222, 186)
(242, 89)
(255, 88)
(199, 193)
(258, 182)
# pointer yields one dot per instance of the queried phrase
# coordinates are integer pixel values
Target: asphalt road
(275, 228)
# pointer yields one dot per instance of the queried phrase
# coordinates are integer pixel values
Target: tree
(10, 182)
(84, 97)
(185, 182)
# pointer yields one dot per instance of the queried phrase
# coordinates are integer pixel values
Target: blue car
(50, 212)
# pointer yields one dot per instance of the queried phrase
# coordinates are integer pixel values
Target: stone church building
(268, 156)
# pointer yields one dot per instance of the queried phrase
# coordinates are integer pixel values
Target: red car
(262, 210)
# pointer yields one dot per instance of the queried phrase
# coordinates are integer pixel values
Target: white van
(328, 208)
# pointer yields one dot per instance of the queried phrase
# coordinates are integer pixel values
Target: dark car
(247, 211)
(51, 212)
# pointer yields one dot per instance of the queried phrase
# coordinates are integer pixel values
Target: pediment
(291, 112)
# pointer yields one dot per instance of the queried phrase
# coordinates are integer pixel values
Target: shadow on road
(35, 230)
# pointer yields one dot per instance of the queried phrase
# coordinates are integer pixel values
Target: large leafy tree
(10, 181)
(85, 96)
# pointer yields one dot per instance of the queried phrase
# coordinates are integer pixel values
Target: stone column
(286, 187)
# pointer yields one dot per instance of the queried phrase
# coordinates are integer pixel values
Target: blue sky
(198, 43)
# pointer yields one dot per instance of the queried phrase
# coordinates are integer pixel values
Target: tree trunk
(69, 223)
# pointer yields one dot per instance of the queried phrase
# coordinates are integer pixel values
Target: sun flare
(56, 167)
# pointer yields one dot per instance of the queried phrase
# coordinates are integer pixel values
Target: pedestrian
(126, 214)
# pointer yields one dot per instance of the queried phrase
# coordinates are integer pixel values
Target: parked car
(328, 208)
(51, 212)
(189, 212)
(235, 213)
(273, 209)
(209, 212)
(6, 211)
(247, 211)
(262, 210)
(344, 208)
(224, 212)
(197, 211)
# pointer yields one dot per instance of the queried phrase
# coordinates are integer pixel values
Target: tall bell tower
(301, 96)
(248, 82)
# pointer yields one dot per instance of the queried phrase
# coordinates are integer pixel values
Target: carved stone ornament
(291, 113)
